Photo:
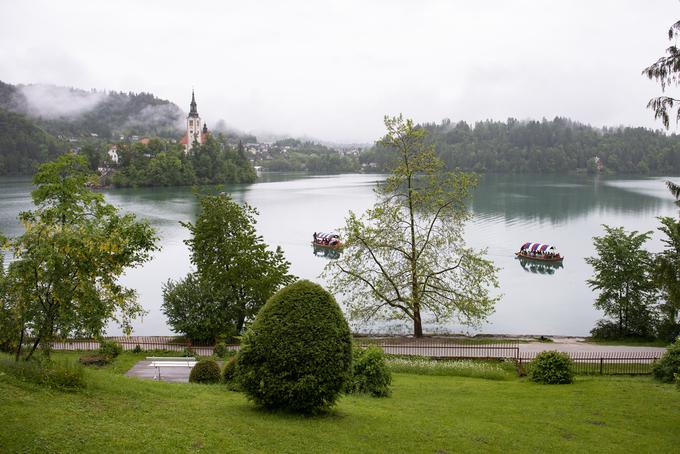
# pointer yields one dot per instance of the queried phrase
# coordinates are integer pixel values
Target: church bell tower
(193, 125)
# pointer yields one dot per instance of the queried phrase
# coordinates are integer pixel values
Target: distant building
(113, 154)
(194, 132)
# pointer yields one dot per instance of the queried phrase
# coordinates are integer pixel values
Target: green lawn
(434, 414)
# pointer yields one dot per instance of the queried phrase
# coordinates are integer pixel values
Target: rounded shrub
(110, 349)
(205, 371)
(229, 370)
(551, 367)
(669, 363)
(297, 354)
(370, 373)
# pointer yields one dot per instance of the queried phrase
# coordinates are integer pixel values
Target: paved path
(573, 345)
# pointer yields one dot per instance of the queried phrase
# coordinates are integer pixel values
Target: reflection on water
(327, 253)
(536, 267)
(519, 199)
(508, 210)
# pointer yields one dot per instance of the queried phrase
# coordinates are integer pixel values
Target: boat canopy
(538, 247)
(322, 235)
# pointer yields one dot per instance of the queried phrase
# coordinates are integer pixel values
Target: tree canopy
(235, 272)
(64, 277)
(623, 278)
(406, 257)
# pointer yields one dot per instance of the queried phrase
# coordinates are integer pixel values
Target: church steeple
(193, 112)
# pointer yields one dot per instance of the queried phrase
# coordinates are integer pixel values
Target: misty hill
(73, 112)
(547, 146)
(24, 145)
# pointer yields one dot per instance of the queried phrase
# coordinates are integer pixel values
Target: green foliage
(546, 146)
(308, 156)
(110, 349)
(64, 279)
(235, 272)
(229, 371)
(137, 349)
(667, 278)
(222, 351)
(23, 145)
(370, 374)
(626, 289)
(297, 355)
(668, 365)
(490, 370)
(406, 257)
(205, 371)
(63, 375)
(666, 71)
(95, 360)
(552, 368)
(192, 310)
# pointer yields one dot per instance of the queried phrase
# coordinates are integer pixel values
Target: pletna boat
(539, 252)
(327, 240)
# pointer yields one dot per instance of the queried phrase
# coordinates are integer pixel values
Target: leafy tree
(63, 280)
(666, 71)
(625, 284)
(192, 310)
(667, 278)
(407, 255)
(675, 190)
(235, 271)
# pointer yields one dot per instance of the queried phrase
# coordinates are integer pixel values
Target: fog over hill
(73, 111)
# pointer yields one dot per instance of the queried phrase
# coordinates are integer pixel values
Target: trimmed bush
(110, 349)
(64, 375)
(229, 370)
(297, 355)
(370, 373)
(94, 360)
(669, 363)
(205, 371)
(551, 367)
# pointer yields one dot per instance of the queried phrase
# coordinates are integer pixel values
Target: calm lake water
(566, 211)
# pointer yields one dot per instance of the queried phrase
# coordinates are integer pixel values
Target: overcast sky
(332, 70)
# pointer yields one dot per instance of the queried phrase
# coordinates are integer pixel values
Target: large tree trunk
(417, 324)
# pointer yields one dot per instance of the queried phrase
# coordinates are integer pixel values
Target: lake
(509, 210)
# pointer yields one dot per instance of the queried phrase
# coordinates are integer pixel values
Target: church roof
(193, 112)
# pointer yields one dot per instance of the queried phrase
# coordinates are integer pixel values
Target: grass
(425, 414)
(491, 370)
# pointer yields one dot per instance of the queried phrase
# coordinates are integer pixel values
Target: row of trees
(547, 146)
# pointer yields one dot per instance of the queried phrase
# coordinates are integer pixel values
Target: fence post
(601, 364)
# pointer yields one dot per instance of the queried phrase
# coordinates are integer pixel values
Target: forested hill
(72, 112)
(23, 145)
(547, 146)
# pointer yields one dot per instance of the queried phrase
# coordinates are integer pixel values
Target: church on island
(194, 131)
